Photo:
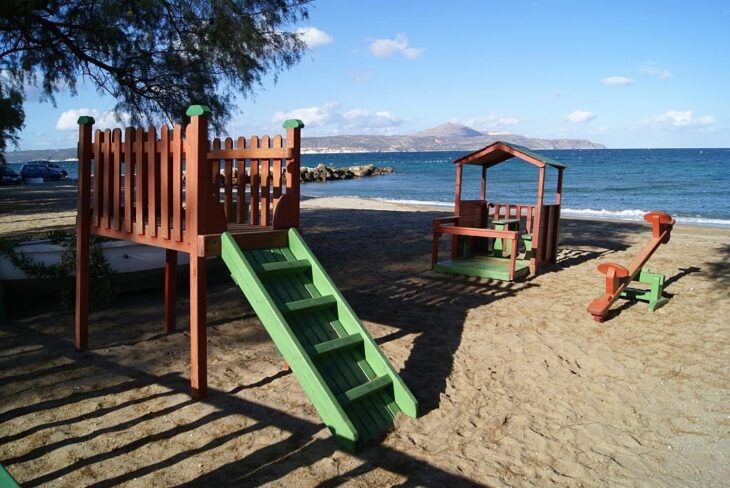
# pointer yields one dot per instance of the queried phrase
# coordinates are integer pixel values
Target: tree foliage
(155, 57)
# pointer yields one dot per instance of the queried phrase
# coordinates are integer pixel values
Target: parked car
(43, 169)
(9, 177)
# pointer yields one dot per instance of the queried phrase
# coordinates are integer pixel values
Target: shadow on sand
(392, 293)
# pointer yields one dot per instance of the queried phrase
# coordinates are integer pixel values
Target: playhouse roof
(499, 152)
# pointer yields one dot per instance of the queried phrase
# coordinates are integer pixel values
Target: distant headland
(445, 137)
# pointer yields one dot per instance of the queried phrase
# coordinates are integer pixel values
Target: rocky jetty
(329, 173)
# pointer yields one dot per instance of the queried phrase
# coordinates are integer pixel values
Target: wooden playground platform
(487, 267)
(185, 193)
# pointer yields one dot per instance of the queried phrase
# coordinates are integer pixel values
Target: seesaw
(618, 278)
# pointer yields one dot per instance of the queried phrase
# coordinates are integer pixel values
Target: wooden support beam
(83, 229)
(170, 290)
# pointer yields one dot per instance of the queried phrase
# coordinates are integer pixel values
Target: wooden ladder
(351, 383)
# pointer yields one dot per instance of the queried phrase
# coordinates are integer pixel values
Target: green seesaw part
(652, 295)
(348, 379)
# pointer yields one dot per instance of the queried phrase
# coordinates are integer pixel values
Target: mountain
(444, 137)
(449, 130)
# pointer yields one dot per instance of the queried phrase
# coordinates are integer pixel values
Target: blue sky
(625, 74)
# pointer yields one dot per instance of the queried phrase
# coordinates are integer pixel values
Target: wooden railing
(522, 211)
(145, 187)
(546, 243)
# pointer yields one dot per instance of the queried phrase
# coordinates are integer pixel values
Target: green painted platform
(351, 383)
(483, 267)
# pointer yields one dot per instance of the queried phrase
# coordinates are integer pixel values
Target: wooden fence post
(293, 174)
(83, 229)
(198, 183)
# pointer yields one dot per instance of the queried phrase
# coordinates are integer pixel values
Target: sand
(518, 385)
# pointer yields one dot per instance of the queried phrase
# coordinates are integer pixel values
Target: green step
(6, 480)
(308, 304)
(335, 345)
(351, 383)
(360, 392)
(279, 268)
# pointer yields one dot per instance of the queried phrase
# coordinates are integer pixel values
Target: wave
(638, 215)
(430, 203)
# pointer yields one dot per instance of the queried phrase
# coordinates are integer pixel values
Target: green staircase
(347, 377)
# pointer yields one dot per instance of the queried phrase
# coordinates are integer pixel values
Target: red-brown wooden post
(197, 184)
(170, 290)
(83, 229)
(198, 190)
(294, 142)
(483, 188)
(457, 209)
(538, 247)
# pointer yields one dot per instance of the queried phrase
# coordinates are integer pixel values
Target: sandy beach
(518, 386)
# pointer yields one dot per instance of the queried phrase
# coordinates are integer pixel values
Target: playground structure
(487, 236)
(618, 278)
(177, 191)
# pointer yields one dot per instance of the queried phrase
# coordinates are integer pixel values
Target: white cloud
(103, 120)
(679, 118)
(580, 116)
(652, 69)
(314, 37)
(492, 121)
(329, 118)
(312, 116)
(384, 48)
(617, 81)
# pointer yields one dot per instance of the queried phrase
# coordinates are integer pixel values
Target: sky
(639, 74)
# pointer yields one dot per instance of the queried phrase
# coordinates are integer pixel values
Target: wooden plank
(129, 170)
(228, 184)
(252, 152)
(265, 170)
(241, 184)
(268, 270)
(308, 304)
(170, 290)
(165, 182)
(277, 174)
(153, 181)
(177, 197)
(290, 218)
(254, 200)
(83, 234)
(145, 238)
(360, 392)
(98, 190)
(140, 173)
(335, 345)
(215, 168)
(108, 180)
(116, 195)
(198, 332)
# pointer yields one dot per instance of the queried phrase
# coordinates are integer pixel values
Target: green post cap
(197, 110)
(86, 120)
(293, 124)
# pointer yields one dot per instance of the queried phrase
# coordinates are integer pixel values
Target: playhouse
(498, 240)
(239, 201)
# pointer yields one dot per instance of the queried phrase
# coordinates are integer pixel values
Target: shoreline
(31, 210)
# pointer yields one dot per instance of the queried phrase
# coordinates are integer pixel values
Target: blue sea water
(691, 184)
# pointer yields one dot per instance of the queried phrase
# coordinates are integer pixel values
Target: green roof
(499, 152)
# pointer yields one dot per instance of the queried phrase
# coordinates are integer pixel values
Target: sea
(693, 185)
